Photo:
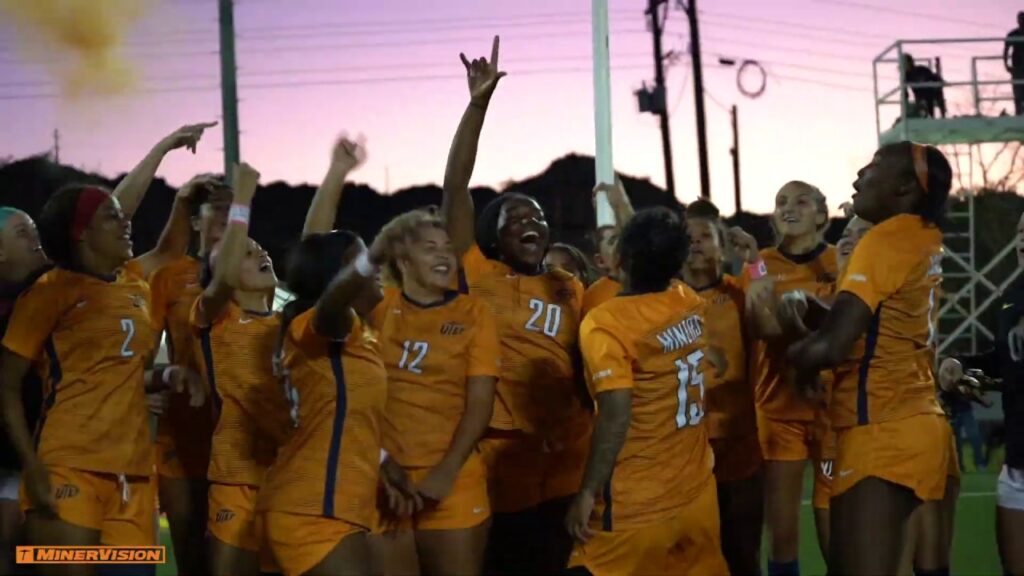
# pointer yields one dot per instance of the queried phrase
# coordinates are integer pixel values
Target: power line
(911, 14)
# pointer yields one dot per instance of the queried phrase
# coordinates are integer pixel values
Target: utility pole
(735, 152)
(56, 146)
(228, 86)
(660, 105)
(698, 92)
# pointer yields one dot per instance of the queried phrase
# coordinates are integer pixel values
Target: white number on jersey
(690, 412)
(128, 327)
(291, 394)
(552, 314)
(418, 350)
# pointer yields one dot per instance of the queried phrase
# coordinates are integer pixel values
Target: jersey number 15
(690, 411)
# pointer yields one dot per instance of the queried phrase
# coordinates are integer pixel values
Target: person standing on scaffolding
(1013, 57)
(926, 98)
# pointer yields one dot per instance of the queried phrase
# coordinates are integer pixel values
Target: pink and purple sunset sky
(309, 69)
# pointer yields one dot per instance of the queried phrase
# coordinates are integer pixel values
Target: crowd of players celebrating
(462, 396)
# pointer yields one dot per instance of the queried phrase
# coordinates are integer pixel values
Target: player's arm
(457, 202)
(130, 191)
(346, 157)
(232, 250)
(334, 315)
(622, 208)
(828, 346)
(13, 370)
(174, 239)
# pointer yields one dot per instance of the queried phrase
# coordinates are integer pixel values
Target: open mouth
(790, 219)
(442, 268)
(266, 265)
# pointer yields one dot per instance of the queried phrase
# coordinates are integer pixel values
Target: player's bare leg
(822, 520)
(351, 557)
(453, 551)
(741, 514)
(395, 553)
(783, 489)
(228, 560)
(185, 501)
(872, 517)
(44, 530)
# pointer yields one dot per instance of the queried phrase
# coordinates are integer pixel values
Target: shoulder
(183, 266)
(53, 283)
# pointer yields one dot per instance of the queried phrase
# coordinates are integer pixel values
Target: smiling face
(705, 246)
(428, 259)
(798, 211)
(109, 234)
(21, 253)
(257, 270)
(523, 233)
(855, 229)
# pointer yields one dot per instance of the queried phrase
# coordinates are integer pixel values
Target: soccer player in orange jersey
(237, 333)
(607, 238)
(893, 445)
(789, 425)
(539, 430)
(731, 420)
(22, 260)
(184, 431)
(318, 499)
(440, 349)
(647, 503)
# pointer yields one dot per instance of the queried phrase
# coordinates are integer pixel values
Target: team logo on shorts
(452, 329)
(826, 468)
(66, 491)
(224, 515)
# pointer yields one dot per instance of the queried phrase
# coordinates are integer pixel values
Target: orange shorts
(689, 539)
(232, 516)
(298, 542)
(736, 458)
(911, 452)
(121, 508)
(786, 440)
(467, 505)
(522, 472)
(823, 470)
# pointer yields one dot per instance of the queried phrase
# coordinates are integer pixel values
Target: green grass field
(974, 545)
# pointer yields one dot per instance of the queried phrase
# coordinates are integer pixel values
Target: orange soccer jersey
(895, 270)
(93, 338)
(183, 432)
(730, 398)
(538, 321)
(429, 352)
(652, 344)
(600, 292)
(328, 464)
(235, 354)
(815, 273)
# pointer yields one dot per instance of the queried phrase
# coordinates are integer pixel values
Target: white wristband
(363, 266)
(383, 455)
(239, 214)
(167, 374)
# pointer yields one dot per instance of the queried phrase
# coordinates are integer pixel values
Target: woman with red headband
(893, 443)
(87, 325)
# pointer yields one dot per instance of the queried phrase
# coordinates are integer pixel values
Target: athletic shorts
(10, 481)
(736, 458)
(121, 508)
(822, 483)
(786, 440)
(232, 515)
(687, 543)
(467, 505)
(1010, 491)
(298, 542)
(911, 452)
(523, 472)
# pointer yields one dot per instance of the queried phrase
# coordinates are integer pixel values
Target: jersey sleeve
(875, 270)
(484, 351)
(607, 358)
(35, 317)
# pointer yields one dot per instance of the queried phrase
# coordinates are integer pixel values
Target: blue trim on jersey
(340, 408)
(606, 518)
(870, 342)
(211, 378)
(56, 375)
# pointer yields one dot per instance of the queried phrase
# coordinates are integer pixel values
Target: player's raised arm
(133, 187)
(457, 205)
(174, 239)
(232, 249)
(334, 308)
(346, 157)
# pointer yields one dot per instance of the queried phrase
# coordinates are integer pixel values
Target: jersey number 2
(416, 350)
(552, 314)
(128, 327)
(690, 412)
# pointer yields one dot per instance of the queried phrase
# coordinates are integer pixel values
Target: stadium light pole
(604, 165)
(228, 86)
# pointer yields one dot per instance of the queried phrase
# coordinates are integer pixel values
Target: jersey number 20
(690, 412)
(552, 314)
